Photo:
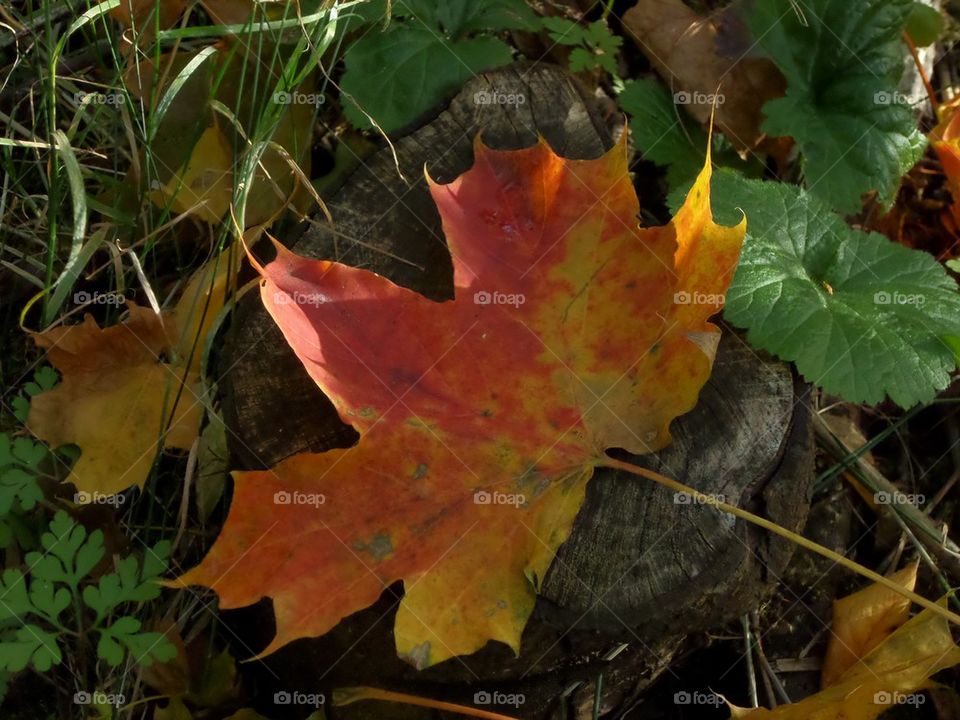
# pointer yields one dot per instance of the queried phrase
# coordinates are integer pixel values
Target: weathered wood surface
(639, 567)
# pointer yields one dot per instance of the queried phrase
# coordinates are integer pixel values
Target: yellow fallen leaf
(130, 390)
(115, 400)
(204, 185)
(202, 300)
(891, 674)
(862, 621)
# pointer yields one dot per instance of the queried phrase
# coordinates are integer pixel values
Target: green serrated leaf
(29, 645)
(399, 74)
(861, 316)
(563, 31)
(843, 62)
(582, 59)
(661, 133)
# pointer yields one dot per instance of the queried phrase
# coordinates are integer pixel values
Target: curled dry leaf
(862, 621)
(683, 47)
(890, 674)
(481, 418)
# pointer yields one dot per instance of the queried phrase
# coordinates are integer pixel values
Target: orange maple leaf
(482, 418)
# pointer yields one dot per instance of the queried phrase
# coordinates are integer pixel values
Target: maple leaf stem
(784, 533)
(346, 696)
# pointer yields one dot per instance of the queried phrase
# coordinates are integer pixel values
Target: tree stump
(642, 570)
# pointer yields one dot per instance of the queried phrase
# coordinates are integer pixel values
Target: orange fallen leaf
(862, 621)
(683, 47)
(128, 390)
(481, 418)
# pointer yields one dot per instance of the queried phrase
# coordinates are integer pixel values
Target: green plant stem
(784, 533)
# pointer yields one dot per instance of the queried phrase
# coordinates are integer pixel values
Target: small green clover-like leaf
(21, 408)
(28, 453)
(19, 462)
(18, 485)
(843, 62)
(14, 597)
(861, 316)
(49, 600)
(43, 379)
(145, 647)
(398, 74)
(70, 553)
(29, 645)
(129, 583)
